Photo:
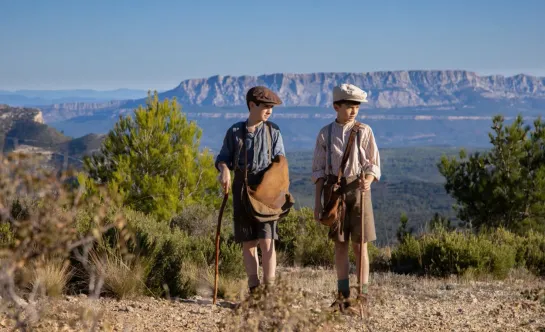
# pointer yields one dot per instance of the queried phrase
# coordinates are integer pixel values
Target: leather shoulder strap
(358, 144)
(245, 153)
(269, 140)
(269, 143)
(348, 149)
(238, 147)
(329, 130)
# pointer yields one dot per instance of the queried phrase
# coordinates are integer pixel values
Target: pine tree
(504, 186)
(403, 230)
(439, 222)
(153, 160)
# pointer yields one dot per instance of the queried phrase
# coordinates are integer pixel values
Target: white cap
(349, 92)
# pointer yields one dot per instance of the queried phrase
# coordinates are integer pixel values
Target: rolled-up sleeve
(373, 157)
(227, 149)
(319, 158)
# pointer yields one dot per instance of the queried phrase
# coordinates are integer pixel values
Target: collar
(347, 125)
(256, 127)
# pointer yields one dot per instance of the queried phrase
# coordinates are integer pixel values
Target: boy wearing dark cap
(361, 169)
(258, 137)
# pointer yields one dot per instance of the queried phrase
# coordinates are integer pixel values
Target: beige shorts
(350, 227)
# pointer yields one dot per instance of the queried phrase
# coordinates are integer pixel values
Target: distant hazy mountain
(22, 129)
(387, 89)
(405, 107)
(46, 97)
(437, 90)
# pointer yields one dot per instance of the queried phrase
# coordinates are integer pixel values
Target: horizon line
(170, 86)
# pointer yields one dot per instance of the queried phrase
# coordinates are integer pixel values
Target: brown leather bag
(334, 208)
(270, 199)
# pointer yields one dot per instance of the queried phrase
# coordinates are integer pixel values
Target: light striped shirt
(367, 158)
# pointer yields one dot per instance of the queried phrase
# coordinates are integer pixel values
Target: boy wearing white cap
(359, 168)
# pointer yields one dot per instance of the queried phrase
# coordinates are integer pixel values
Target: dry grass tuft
(229, 288)
(283, 307)
(124, 277)
(201, 281)
(50, 277)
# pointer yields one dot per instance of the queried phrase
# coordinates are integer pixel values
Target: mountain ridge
(23, 129)
(386, 89)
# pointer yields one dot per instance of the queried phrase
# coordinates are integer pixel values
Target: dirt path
(398, 303)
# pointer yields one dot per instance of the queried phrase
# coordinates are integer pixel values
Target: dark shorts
(351, 226)
(245, 228)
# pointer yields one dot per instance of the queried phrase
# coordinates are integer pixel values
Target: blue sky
(69, 44)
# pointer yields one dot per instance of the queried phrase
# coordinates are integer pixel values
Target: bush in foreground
(443, 253)
(39, 217)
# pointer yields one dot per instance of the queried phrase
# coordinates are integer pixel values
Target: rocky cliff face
(23, 130)
(62, 111)
(389, 89)
(9, 115)
(20, 113)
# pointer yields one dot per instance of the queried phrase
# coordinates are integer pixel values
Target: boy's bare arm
(318, 173)
(365, 184)
(318, 199)
(224, 176)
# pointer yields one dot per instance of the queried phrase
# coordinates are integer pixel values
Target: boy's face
(260, 112)
(346, 112)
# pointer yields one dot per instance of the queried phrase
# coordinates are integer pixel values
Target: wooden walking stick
(218, 230)
(360, 272)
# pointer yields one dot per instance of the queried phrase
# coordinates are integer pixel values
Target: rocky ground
(397, 303)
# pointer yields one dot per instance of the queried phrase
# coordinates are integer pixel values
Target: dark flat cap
(262, 94)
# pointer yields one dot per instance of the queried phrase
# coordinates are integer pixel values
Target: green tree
(154, 162)
(504, 186)
(439, 222)
(403, 230)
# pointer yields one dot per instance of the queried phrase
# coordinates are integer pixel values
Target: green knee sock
(269, 281)
(343, 285)
(364, 289)
(253, 281)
